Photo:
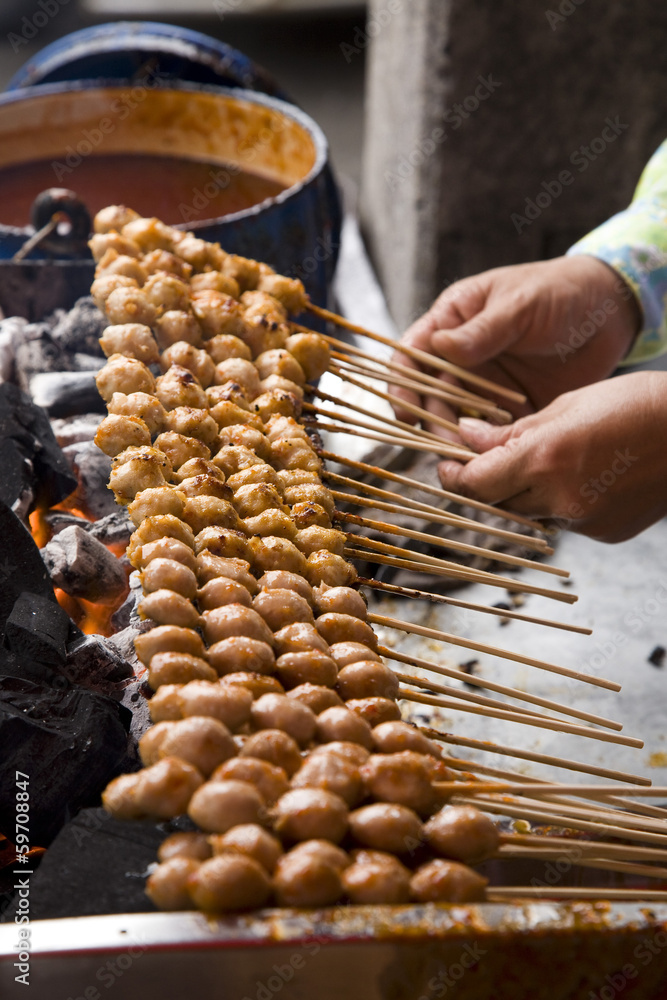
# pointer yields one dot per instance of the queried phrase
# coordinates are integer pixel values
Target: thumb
(481, 435)
(479, 339)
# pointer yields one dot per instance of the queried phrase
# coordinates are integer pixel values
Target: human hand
(594, 457)
(543, 328)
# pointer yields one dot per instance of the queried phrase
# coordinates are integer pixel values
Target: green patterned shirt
(634, 243)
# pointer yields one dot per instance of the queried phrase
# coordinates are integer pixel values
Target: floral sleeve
(634, 243)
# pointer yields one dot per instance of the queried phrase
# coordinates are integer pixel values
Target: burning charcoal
(114, 529)
(93, 662)
(79, 330)
(72, 430)
(71, 868)
(92, 468)
(64, 393)
(83, 567)
(17, 480)
(69, 742)
(58, 520)
(37, 629)
(21, 565)
(26, 434)
(36, 351)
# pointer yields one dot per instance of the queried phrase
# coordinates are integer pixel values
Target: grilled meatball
(181, 449)
(254, 498)
(278, 579)
(386, 827)
(336, 628)
(210, 566)
(139, 404)
(166, 291)
(392, 737)
(222, 590)
(272, 552)
(309, 666)
(310, 813)
(247, 437)
(217, 314)
(269, 779)
(172, 667)
(375, 711)
(205, 511)
(165, 705)
(217, 281)
(276, 747)
(167, 885)
(169, 608)
(168, 638)
(185, 355)
(125, 375)
(352, 752)
(201, 741)
(184, 845)
(403, 777)
(279, 363)
(169, 574)
(447, 882)
(316, 697)
(179, 387)
(341, 601)
(114, 217)
(130, 305)
(282, 607)
(327, 567)
(253, 475)
(241, 371)
(250, 840)
(232, 458)
(307, 514)
(297, 638)
(227, 345)
(235, 620)
(116, 433)
(277, 711)
(312, 352)
(306, 880)
(333, 774)
(229, 882)
(273, 522)
(220, 805)
(136, 469)
(230, 703)
(340, 724)
(288, 291)
(177, 326)
(241, 654)
(165, 548)
(165, 789)
(367, 679)
(352, 652)
(257, 684)
(461, 832)
(132, 340)
(205, 485)
(376, 878)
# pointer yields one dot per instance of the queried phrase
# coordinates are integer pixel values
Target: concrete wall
(474, 110)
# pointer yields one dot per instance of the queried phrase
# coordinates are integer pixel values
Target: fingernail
(470, 423)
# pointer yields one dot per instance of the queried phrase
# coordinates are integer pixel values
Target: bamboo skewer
(425, 595)
(523, 718)
(503, 689)
(470, 769)
(434, 490)
(417, 355)
(483, 647)
(443, 449)
(418, 411)
(415, 508)
(617, 817)
(606, 864)
(438, 541)
(406, 439)
(411, 430)
(433, 388)
(535, 841)
(538, 758)
(407, 431)
(446, 570)
(410, 560)
(460, 396)
(505, 808)
(546, 788)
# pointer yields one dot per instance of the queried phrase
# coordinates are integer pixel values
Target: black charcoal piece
(65, 393)
(92, 468)
(83, 567)
(26, 427)
(21, 565)
(94, 662)
(70, 743)
(37, 629)
(114, 529)
(77, 428)
(96, 865)
(80, 329)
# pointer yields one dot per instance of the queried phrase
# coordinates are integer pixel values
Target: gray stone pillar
(498, 133)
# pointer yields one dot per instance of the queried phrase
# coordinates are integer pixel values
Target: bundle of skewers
(281, 725)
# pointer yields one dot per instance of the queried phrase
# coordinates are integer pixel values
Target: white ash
(84, 567)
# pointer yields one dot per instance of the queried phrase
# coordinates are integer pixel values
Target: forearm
(634, 244)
